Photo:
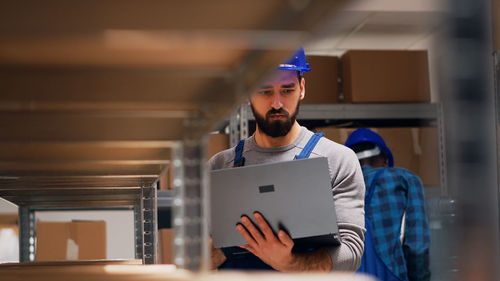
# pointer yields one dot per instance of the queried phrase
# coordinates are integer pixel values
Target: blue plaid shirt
(398, 191)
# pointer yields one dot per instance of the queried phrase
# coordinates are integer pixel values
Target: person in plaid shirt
(398, 238)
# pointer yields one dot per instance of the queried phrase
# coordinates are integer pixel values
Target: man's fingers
(250, 240)
(257, 236)
(248, 248)
(285, 239)
(266, 230)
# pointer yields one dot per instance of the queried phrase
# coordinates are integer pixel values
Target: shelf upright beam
(496, 83)
(150, 224)
(471, 140)
(238, 124)
(234, 128)
(26, 234)
(442, 152)
(138, 230)
(190, 204)
(244, 112)
(178, 211)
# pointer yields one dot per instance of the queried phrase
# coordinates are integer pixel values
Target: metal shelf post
(234, 128)
(150, 225)
(190, 204)
(138, 230)
(26, 234)
(442, 152)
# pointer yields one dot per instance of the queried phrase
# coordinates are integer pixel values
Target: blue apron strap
(310, 146)
(239, 160)
(371, 189)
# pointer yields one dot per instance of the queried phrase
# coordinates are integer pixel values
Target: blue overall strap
(309, 146)
(371, 190)
(239, 160)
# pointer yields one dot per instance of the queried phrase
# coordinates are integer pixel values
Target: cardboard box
(217, 143)
(322, 80)
(76, 240)
(9, 242)
(415, 149)
(8, 219)
(385, 76)
(166, 245)
(166, 179)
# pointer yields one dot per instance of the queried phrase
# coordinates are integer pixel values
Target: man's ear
(302, 88)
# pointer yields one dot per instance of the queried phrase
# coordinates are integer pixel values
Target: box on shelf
(9, 238)
(321, 81)
(415, 149)
(166, 245)
(8, 219)
(216, 143)
(76, 240)
(166, 178)
(385, 76)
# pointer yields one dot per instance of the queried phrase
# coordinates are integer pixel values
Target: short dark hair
(362, 146)
(299, 76)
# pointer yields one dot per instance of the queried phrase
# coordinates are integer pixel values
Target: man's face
(275, 104)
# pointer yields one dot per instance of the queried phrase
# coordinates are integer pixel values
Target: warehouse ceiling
(380, 24)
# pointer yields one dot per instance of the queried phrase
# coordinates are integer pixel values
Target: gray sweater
(347, 185)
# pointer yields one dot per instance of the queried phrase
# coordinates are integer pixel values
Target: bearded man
(279, 137)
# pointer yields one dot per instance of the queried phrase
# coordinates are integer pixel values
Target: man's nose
(277, 101)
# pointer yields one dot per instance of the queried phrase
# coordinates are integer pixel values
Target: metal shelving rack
(96, 101)
(430, 113)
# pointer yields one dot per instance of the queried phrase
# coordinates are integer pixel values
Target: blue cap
(363, 135)
(296, 62)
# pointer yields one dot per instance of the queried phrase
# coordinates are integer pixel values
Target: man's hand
(217, 256)
(277, 251)
(274, 251)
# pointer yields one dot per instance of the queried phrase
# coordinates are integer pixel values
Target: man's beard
(276, 128)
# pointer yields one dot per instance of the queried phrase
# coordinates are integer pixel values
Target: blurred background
(423, 74)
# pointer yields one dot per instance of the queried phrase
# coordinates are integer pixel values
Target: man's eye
(264, 92)
(288, 91)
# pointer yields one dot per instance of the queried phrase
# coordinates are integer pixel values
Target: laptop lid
(295, 196)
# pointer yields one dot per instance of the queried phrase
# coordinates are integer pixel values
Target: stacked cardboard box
(369, 76)
(76, 240)
(166, 245)
(216, 144)
(380, 76)
(415, 149)
(9, 238)
(321, 81)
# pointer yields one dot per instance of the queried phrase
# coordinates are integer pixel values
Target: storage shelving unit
(98, 98)
(363, 114)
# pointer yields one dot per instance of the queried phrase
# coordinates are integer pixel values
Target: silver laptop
(295, 196)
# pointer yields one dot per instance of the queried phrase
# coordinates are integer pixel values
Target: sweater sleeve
(348, 192)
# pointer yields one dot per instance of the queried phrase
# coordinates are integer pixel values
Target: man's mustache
(277, 111)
